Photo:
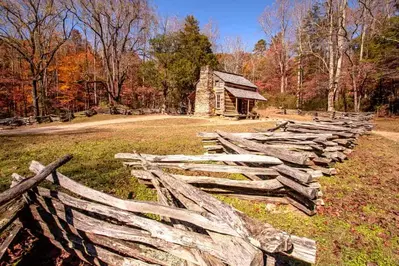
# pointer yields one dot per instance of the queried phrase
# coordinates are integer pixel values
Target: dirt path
(388, 134)
(95, 124)
(204, 121)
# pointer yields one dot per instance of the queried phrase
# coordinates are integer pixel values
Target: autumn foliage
(63, 62)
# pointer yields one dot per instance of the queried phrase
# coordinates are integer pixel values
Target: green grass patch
(358, 225)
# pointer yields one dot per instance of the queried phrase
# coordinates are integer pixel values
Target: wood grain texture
(249, 158)
(264, 185)
(285, 155)
(215, 168)
(22, 187)
(206, 221)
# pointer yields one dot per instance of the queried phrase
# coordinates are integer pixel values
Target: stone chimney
(204, 95)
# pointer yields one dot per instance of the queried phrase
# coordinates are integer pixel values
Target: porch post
(237, 105)
(248, 107)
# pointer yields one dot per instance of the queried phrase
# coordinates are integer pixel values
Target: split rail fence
(281, 165)
(188, 226)
(185, 227)
(306, 150)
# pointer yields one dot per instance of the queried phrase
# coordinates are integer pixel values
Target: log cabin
(224, 94)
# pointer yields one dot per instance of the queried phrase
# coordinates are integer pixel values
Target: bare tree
(365, 23)
(233, 53)
(342, 45)
(119, 28)
(370, 15)
(331, 60)
(275, 21)
(336, 47)
(300, 11)
(168, 24)
(211, 30)
(36, 29)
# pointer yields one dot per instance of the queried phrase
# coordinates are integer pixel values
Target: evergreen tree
(383, 53)
(178, 60)
(164, 49)
(195, 51)
(260, 47)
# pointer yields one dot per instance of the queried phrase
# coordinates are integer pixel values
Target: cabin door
(242, 106)
(239, 105)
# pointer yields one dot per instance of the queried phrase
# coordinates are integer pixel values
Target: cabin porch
(238, 107)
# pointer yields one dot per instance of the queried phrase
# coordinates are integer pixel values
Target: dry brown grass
(359, 224)
(387, 124)
(273, 112)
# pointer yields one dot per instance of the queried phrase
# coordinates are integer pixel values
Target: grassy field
(387, 124)
(358, 225)
(81, 118)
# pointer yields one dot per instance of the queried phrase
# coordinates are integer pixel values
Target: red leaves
(24, 243)
(60, 260)
(336, 248)
(328, 211)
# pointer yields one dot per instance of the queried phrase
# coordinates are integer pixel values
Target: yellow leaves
(64, 87)
(72, 68)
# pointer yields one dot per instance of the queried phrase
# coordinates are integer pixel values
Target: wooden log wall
(230, 103)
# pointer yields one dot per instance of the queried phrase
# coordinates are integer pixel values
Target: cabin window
(218, 100)
(216, 83)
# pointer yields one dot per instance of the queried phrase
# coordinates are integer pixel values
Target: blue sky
(233, 17)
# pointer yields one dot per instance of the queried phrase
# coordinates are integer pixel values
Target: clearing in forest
(359, 223)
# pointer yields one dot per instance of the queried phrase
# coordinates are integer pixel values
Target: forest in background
(74, 55)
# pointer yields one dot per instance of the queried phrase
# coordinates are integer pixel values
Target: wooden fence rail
(195, 228)
(188, 226)
(307, 150)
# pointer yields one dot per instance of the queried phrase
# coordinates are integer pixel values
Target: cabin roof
(245, 94)
(234, 79)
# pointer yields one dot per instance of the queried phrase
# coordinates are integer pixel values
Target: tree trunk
(343, 91)
(283, 72)
(94, 71)
(41, 97)
(336, 53)
(283, 61)
(25, 102)
(331, 66)
(330, 101)
(299, 83)
(118, 97)
(341, 45)
(165, 90)
(361, 55)
(43, 93)
(282, 83)
(35, 99)
(355, 92)
(87, 96)
(363, 38)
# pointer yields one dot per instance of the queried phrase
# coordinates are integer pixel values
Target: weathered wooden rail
(307, 150)
(192, 228)
(188, 226)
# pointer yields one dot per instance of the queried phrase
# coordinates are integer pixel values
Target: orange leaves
(72, 71)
